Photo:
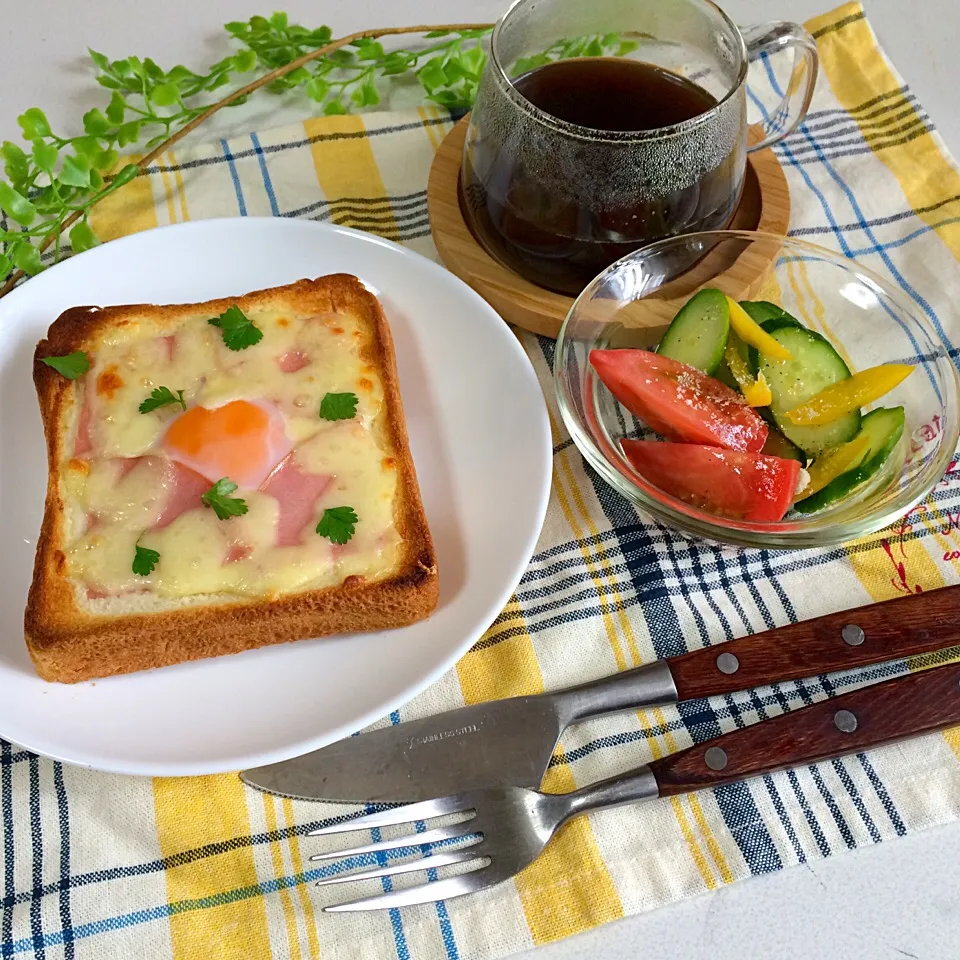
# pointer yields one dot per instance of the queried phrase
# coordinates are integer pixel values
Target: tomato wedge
(679, 401)
(741, 486)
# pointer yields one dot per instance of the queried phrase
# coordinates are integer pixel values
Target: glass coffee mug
(603, 125)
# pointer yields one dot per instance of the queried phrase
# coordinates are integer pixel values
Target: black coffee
(612, 93)
(558, 215)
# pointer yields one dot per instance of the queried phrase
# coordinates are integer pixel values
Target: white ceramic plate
(481, 442)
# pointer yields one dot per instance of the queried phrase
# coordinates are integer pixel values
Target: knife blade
(473, 745)
(511, 741)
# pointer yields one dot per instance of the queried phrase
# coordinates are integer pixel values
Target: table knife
(510, 741)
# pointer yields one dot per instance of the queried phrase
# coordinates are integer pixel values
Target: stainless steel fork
(507, 827)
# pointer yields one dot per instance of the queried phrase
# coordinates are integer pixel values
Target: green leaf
(45, 155)
(5, 264)
(474, 60)
(218, 497)
(96, 179)
(160, 397)
(609, 39)
(82, 237)
(342, 57)
(15, 163)
(86, 147)
(370, 96)
(369, 50)
(334, 108)
(152, 70)
(26, 257)
(244, 61)
(144, 561)
(165, 94)
(279, 21)
(75, 172)
(594, 48)
(395, 62)
(627, 46)
(260, 24)
(95, 123)
(317, 89)
(298, 76)
(124, 176)
(436, 33)
(179, 74)
(128, 133)
(448, 98)
(338, 406)
(453, 70)
(71, 366)
(116, 108)
(319, 37)
(34, 124)
(105, 159)
(99, 59)
(122, 68)
(432, 74)
(16, 206)
(526, 64)
(338, 524)
(236, 28)
(109, 82)
(239, 331)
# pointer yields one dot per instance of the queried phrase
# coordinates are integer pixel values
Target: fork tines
(423, 893)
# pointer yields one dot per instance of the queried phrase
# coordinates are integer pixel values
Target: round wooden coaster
(765, 206)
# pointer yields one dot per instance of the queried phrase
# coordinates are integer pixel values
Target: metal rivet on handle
(852, 635)
(716, 758)
(728, 663)
(845, 721)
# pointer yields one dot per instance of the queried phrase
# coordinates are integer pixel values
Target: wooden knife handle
(905, 707)
(915, 624)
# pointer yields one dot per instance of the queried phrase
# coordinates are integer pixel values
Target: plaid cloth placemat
(103, 866)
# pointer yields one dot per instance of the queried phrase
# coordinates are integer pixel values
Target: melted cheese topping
(125, 491)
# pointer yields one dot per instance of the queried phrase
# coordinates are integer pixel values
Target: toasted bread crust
(69, 644)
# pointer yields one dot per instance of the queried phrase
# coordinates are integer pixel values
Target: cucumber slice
(777, 445)
(884, 428)
(815, 365)
(761, 310)
(698, 333)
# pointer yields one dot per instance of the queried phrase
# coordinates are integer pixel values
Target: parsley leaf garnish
(238, 329)
(71, 366)
(224, 506)
(160, 398)
(338, 406)
(337, 524)
(144, 561)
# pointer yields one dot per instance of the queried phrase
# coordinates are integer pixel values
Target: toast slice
(122, 481)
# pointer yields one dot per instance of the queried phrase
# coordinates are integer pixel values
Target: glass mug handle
(771, 38)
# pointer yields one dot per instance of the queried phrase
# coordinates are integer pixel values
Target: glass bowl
(866, 318)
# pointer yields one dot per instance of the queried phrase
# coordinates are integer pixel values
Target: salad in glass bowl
(818, 410)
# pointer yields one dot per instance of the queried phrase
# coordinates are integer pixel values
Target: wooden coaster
(765, 206)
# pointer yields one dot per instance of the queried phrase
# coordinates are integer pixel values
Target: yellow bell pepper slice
(826, 468)
(755, 391)
(751, 332)
(844, 396)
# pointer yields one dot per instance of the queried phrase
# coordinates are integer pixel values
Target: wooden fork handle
(898, 628)
(893, 710)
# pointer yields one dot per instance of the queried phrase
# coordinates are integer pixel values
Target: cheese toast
(222, 476)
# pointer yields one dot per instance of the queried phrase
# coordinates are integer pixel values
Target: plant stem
(245, 91)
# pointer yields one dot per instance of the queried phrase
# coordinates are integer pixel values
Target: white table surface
(896, 900)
